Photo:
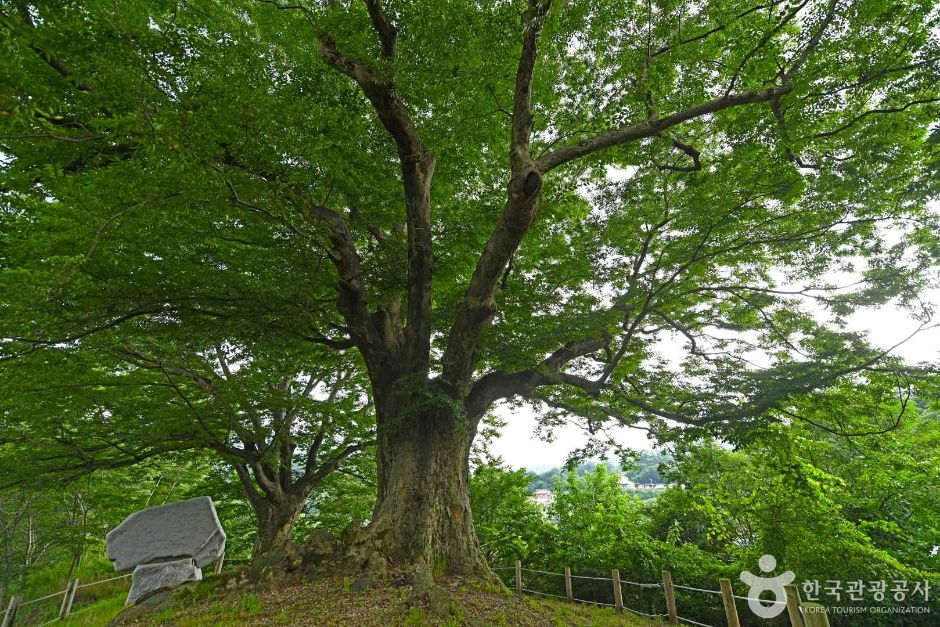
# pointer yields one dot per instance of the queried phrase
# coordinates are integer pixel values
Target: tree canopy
(462, 204)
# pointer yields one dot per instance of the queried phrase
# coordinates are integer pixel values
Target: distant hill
(645, 470)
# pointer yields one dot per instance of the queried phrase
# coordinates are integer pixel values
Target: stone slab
(184, 529)
(162, 575)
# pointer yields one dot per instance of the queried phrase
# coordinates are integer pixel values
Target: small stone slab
(152, 577)
(185, 529)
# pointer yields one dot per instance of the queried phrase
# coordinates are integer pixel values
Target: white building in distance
(543, 497)
(626, 484)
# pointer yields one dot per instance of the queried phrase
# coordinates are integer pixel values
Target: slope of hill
(327, 602)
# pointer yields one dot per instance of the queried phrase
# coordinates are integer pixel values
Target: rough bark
(422, 523)
(276, 510)
(276, 525)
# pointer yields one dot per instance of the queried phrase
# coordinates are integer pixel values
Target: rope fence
(793, 602)
(542, 572)
(65, 608)
(569, 595)
(48, 596)
(675, 585)
(708, 612)
(638, 612)
(524, 584)
(68, 597)
(98, 583)
(587, 577)
(600, 603)
(544, 594)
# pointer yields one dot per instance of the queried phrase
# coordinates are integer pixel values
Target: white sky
(886, 326)
(519, 447)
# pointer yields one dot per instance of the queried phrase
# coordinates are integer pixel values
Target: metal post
(670, 597)
(618, 593)
(727, 597)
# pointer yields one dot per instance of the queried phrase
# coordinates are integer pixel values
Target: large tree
(510, 200)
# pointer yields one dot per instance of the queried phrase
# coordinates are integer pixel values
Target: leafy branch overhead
(656, 214)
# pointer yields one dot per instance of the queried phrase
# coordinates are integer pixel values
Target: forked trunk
(276, 526)
(422, 518)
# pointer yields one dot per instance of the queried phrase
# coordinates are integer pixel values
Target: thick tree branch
(803, 56)
(882, 111)
(385, 30)
(417, 165)
(264, 474)
(501, 384)
(777, 109)
(340, 344)
(522, 119)
(789, 17)
(248, 485)
(86, 463)
(874, 75)
(353, 301)
(654, 127)
(39, 343)
(478, 304)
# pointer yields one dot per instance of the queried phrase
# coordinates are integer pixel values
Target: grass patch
(328, 602)
(97, 614)
(585, 614)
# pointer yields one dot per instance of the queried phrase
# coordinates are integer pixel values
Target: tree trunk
(276, 526)
(422, 518)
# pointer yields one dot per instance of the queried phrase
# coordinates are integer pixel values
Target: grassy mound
(328, 602)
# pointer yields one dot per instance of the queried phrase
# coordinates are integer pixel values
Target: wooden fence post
(10, 614)
(670, 597)
(67, 600)
(727, 597)
(568, 592)
(814, 614)
(219, 562)
(793, 605)
(518, 577)
(618, 593)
